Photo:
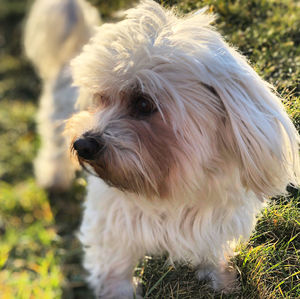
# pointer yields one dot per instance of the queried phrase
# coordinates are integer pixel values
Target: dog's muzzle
(87, 147)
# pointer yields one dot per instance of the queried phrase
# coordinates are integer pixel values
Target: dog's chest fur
(192, 232)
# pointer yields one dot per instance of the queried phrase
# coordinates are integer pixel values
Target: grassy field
(39, 254)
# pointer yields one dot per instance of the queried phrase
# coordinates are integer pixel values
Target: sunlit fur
(55, 32)
(190, 179)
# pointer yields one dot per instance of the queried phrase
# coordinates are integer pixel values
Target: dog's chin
(113, 179)
(124, 180)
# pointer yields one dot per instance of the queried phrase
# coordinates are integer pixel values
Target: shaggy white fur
(55, 32)
(188, 140)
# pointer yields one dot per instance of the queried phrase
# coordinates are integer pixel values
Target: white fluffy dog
(55, 32)
(187, 142)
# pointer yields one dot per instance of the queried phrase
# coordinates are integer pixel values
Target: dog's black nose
(87, 147)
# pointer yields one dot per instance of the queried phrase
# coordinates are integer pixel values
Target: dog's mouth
(94, 158)
(114, 174)
(134, 159)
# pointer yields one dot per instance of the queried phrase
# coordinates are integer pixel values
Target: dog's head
(173, 107)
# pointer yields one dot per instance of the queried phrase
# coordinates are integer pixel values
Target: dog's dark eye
(143, 106)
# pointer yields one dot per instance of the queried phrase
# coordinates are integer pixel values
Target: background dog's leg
(53, 167)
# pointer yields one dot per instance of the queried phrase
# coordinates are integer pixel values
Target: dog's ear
(258, 133)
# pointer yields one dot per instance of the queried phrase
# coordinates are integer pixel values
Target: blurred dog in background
(55, 32)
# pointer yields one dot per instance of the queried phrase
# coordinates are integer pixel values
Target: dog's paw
(121, 290)
(222, 279)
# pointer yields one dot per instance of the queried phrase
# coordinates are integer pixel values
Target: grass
(39, 254)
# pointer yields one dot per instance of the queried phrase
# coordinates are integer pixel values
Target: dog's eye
(143, 106)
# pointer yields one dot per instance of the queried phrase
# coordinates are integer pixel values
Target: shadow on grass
(67, 210)
(163, 281)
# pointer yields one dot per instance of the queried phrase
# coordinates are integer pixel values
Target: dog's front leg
(111, 270)
(110, 246)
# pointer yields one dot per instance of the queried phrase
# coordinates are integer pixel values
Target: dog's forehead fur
(149, 48)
